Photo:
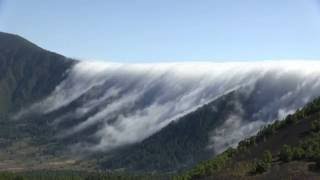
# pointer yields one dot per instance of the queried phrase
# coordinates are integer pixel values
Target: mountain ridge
(136, 117)
(24, 64)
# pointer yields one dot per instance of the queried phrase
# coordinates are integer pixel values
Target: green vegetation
(208, 167)
(315, 125)
(264, 164)
(299, 134)
(286, 153)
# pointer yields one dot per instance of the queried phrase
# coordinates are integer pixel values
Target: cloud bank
(127, 103)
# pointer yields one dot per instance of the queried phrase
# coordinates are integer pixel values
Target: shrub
(298, 153)
(262, 167)
(315, 125)
(267, 157)
(286, 153)
(264, 164)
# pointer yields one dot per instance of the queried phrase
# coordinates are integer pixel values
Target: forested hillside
(287, 149)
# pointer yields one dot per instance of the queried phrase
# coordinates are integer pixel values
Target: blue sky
(168, 30)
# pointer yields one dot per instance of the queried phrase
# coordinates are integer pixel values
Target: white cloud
(133, 101)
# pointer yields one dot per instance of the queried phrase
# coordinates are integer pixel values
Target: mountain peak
(12, 41)
(28, 72)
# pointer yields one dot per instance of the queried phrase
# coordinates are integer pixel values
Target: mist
(127, 103)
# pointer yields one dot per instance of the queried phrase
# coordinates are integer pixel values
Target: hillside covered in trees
(287, 149)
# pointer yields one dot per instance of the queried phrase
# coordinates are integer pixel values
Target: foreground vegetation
(294, 139)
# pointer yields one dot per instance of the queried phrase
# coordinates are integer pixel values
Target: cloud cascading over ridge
(127, 103)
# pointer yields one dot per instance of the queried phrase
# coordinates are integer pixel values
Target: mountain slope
(288, 149)
(136, 117)
(179, 145)
(210, 129)
(28, 73)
